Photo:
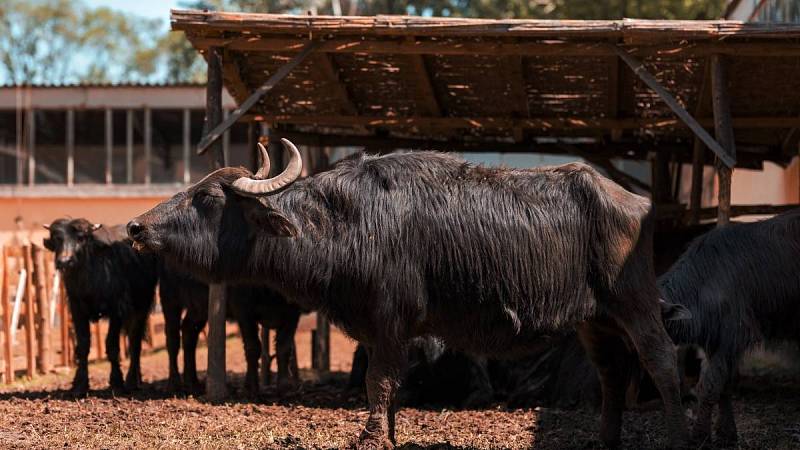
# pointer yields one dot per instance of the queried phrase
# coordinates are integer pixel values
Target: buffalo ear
(674, 311)
(96, 226)
(46, 227)
(268, 219)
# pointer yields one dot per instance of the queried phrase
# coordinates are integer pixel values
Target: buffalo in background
(104, 277)
(248, 305)
(492, 261)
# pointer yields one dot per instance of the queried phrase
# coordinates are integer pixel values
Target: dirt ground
(321, 413)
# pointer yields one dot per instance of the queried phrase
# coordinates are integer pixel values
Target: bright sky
(154, 9)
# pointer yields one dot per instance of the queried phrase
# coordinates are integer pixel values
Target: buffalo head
(211, 227)
(68, 240)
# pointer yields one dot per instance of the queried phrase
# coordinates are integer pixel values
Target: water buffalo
(490, 260)
(249, 306)
(741, 286)
(104, 277)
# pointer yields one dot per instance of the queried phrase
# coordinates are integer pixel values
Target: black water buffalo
(741, 285)
(104, 277)
(490, 260)
(249, 306)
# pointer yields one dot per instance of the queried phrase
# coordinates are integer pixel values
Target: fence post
(98, 341)
(43, 361)
(30, 300)
(66, 361)
(7, 347)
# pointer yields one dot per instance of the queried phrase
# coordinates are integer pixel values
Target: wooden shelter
(631, 89)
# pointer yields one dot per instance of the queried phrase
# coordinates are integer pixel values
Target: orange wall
(38, 211)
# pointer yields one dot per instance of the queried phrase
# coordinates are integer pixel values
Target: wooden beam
(723, 127)
(699, 149)
(232, 74)
(614, 90)
(424, 92)
(639, 69)
(735, 211)
(495, 47)
(109, 122)
(70, 142)
(330, 72)
(279, 75)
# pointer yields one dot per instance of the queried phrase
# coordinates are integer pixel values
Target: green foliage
(60, 41)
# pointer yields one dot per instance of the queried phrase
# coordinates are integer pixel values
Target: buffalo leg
(610, 357)
(726, 423)
(284, 347)
(709, 393)
(135, 336)
(658, 357)
(248, 327)
(112, 352)
(384, 373)
(172, 329)
(80, 384)
(190, 331)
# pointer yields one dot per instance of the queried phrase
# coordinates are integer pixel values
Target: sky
(154, 9)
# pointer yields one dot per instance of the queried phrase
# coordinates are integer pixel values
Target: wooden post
(696, 196)
(216, 389)
(7, 344)
(44, 360)
(65, 337)
(322, 345)
(723, 128)
(98, 341)
(266, 371)
(30, 299)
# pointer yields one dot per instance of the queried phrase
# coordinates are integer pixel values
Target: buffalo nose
(135, 230)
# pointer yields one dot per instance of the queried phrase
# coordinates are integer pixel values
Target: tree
(62, 41)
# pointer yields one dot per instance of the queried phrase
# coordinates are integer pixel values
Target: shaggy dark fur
(741, 284)
(104, 277)
(249, 306)
(493, 261)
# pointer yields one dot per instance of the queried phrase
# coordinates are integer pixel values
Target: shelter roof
(505, 85)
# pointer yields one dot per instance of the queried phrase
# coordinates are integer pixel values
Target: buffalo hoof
(194, 387)
(133, 381)
(174, 385)
(80, 389)
(726, 439)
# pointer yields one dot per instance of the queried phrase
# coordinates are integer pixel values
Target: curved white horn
(263, 171)
(256, 188)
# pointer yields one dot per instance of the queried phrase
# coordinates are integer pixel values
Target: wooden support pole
(129, 146)
(30, 299)
(98, 341)
(109, 144)
(44, 359)
(31, 147)
(7, 343)
(696, 195)
(216, 389)
(322, 345)
(148, 143)
(70, 138)
(266, 362)
(723, 127)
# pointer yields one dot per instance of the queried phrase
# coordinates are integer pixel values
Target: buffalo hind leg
(386, 365)
(610, 357)
(136, 329)
(726, 423)
(112, 352)
(80, 384)
(659, 358)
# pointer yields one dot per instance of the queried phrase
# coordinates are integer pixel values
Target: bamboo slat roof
(507, 85)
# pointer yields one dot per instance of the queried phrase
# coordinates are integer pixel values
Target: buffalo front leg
(112, 353)
(248, 327)
(713, 381)
(190, 332)
(80, 384)
(658, 357)
(611, 359)
(726, 423)
(286, 355)
(386, 365)
(136, 332)
(172, 329)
